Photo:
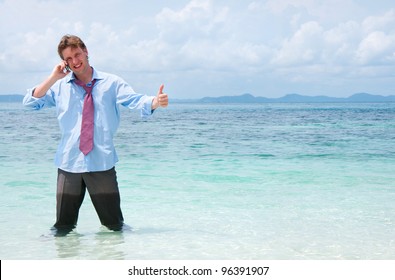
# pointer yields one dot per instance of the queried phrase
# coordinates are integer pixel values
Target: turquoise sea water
(215, 181)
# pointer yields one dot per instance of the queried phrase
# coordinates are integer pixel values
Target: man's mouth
(77, 66)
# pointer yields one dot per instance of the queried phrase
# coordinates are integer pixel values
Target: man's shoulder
(106, 76)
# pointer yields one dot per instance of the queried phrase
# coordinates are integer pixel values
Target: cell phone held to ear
(68, 68)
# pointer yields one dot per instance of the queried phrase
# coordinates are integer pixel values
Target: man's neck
(86, 76)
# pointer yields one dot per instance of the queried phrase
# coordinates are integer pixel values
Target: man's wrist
(155, 103)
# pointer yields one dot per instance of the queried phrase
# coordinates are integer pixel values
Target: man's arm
(57, 73)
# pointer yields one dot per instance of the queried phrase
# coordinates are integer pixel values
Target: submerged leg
(104, 192)
(69, 197)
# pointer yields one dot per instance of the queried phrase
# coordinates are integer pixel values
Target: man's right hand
(58, 73)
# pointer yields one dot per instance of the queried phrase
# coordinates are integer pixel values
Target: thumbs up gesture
(161, 99)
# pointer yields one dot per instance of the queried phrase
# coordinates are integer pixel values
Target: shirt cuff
(147, 108)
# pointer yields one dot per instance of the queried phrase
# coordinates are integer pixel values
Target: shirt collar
(95, 76)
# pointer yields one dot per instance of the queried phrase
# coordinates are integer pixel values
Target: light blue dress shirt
(109, 92)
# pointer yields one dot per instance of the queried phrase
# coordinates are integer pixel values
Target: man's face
(76, 59)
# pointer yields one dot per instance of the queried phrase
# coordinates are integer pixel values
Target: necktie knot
(87, 87)
(87, 125)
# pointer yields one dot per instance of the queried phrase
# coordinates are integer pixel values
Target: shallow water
(215, 181)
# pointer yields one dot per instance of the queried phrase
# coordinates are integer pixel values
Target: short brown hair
(70, 41)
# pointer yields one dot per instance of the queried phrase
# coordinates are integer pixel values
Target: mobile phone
(66, 68)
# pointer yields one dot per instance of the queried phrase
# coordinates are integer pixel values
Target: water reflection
(102, 245)
(68, 247)
(109, 245)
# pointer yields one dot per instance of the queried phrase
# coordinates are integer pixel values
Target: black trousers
(103, 190)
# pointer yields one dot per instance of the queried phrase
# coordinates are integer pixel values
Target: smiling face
(74, 53)
(77, 59)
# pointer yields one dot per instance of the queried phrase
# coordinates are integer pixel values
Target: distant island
(292, 98)
(249, 98)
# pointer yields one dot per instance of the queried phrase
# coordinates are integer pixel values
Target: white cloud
(384, 21)
(376, 48)
(303, 47)
(323, 10)
(192, 11)
(377, 43)
(198, 19)
(298, 43)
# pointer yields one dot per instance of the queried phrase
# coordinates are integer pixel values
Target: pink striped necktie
(88, 111)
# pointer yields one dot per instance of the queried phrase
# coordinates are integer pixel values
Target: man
(87, 106)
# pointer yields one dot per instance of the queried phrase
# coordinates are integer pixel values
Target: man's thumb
(160, 91)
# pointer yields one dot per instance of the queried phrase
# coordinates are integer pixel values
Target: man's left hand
(161, 99)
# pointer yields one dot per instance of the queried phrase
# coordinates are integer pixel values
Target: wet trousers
(103, 190)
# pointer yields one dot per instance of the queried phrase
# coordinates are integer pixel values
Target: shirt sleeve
(35, 103)
(127, 97)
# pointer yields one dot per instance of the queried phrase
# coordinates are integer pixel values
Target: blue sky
(209, 47)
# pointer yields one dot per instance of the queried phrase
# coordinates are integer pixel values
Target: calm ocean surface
(212, 181)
